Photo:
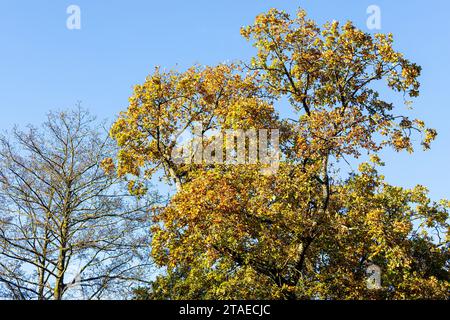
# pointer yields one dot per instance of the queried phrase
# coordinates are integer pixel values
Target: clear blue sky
(44, 66)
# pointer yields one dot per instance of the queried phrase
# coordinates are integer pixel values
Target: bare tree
(66, 229)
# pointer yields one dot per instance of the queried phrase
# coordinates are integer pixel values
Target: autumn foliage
(310, 230)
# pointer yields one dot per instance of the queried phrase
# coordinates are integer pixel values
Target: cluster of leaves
(306, 232)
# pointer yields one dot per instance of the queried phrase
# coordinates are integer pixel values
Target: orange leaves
(327, 73)
(306, 231)
(168, 105)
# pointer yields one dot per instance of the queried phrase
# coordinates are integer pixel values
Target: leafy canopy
(308, 231)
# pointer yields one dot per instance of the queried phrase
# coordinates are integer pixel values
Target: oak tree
(310, 230)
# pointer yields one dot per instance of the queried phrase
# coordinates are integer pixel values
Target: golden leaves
(108, 166)
(304, 232)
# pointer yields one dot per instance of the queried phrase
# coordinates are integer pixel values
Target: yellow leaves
(375, 159)
(168, 104)
(375, 219)
(416, 287)
(108, 166)
(333, 69)
(430, 136)
(419, 123)
(136, 188)
(265, 219)
(229, 227)
(402, 227)
(387, 53)
(128, 163)
(401, 142)
(246, 32)
(410, 73)
(328, 54)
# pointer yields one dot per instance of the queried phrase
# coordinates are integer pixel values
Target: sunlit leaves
(307, 231)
